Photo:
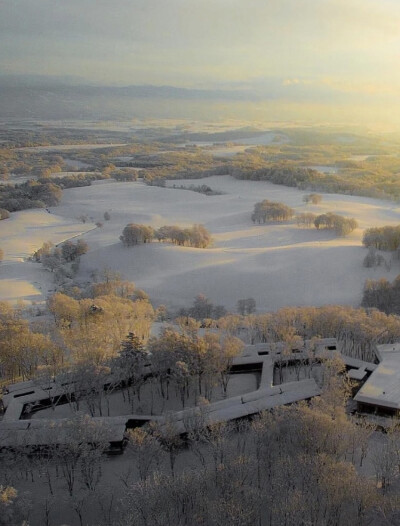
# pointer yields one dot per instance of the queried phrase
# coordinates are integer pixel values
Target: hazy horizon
(315, 60)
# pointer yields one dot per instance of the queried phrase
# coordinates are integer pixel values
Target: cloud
(188, 42)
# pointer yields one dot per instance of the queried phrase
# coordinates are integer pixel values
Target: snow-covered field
(276, 264)
(66, 147)
(20, 236)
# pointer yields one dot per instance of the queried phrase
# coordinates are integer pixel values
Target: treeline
(287, 175)
(357, 330)
(382, 238)
(29, 163)
(76, 180)
(383, 295)
(283, 168)
(184, 165)
(32, 194)
(254, 167)
(197, 236)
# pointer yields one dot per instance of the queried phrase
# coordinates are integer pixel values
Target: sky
(301, 51)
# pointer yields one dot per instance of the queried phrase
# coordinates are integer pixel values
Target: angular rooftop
(382, 389)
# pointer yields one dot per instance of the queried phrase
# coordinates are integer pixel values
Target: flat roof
(56, 432)
(383, 386)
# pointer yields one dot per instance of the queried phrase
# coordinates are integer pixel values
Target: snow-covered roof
(383, 386)
(23, 433)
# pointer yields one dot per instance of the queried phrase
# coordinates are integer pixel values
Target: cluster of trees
(383, 295)
(32, 194)
(314, 199)
(197, 236)
(382, 238)
(45, 173)
(204, 310)
(201, 189)
(246, 306)
(88, 327)
(13, 509)
(23, 348)
(136, 234)
(29, 163)
(93, 328)
(190, 363)
(4, 214)
(125, 175)
(373, 260)
(271, 211)
(306, 219)
(63, 259)
(341, 225)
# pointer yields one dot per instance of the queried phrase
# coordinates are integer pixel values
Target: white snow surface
(277, 264)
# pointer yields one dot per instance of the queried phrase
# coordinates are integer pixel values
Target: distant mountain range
(64, 98)
(41, 97)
